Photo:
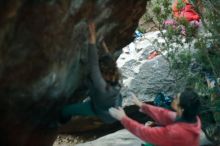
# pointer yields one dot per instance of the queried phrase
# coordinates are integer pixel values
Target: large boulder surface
(144, 75)
(119, 138)
(43, 59)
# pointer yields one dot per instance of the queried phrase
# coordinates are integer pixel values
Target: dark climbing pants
(78, 109)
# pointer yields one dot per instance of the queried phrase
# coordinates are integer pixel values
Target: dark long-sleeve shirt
(102, 97)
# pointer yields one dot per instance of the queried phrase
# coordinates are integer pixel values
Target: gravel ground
(70, 140)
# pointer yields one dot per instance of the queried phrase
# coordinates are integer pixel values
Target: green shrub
(203, 48)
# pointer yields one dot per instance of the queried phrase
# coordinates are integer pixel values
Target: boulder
(125, 138)
(146, 76)
(43, 59)
(119, 138)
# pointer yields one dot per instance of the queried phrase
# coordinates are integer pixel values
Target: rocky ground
(67, 140)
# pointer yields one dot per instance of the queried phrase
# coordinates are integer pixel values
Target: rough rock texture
(43, 59)
(146, 77)
(148, 21)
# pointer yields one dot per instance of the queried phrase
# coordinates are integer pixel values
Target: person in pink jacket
(187, 12)
(179, 128)
(184, 10)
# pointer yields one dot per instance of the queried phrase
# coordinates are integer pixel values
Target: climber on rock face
(104, 86)
(179, 128)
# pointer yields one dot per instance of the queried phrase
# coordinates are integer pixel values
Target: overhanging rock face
(43, 59)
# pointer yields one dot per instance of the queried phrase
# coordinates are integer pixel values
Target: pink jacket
(186, 12)
(170, 134)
